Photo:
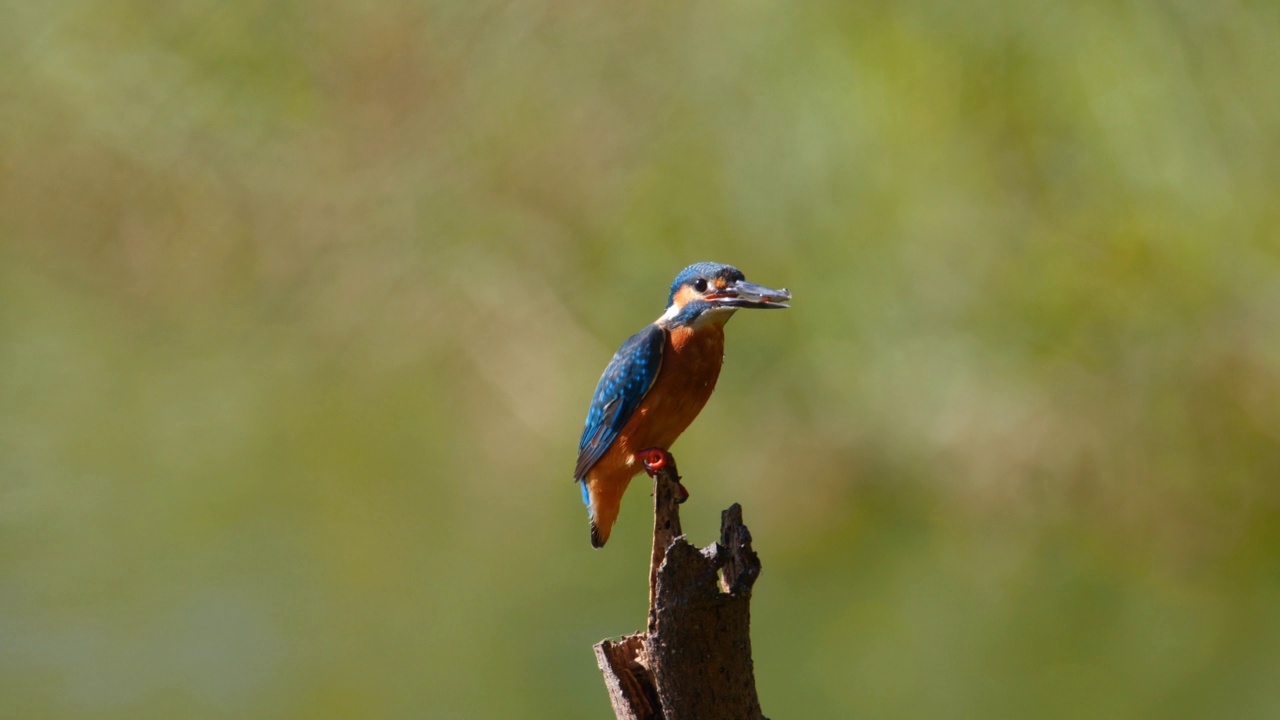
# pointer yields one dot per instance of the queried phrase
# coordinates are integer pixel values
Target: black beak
(743, 294)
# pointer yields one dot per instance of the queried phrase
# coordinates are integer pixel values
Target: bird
(658, 381)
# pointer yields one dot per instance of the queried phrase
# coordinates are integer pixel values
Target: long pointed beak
(743, 294)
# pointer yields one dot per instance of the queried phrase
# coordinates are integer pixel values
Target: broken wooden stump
(693, 662)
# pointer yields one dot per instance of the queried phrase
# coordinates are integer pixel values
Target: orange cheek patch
(684, 295)
(720, 283)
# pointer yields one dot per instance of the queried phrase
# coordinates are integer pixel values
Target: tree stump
(694, 660)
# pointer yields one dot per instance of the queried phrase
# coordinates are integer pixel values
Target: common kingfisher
(658, 381)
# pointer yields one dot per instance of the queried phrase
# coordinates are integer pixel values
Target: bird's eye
(700, 285)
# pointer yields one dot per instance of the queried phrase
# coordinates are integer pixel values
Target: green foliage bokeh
(301, 306)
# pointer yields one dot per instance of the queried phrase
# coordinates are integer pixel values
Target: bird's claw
(654, 460)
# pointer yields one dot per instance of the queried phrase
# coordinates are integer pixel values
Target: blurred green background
(301, 306)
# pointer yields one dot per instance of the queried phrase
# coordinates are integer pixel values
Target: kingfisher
(658, 382)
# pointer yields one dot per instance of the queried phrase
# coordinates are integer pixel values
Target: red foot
(682, 493)
(655, 459)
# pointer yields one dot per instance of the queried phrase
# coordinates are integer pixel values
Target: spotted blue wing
(623, 385)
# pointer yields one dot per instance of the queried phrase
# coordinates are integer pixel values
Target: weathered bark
(694, 661)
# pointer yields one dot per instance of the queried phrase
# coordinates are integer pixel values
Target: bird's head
(711, 292)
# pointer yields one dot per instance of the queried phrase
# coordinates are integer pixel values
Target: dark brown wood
(666, 524)
(694, 661)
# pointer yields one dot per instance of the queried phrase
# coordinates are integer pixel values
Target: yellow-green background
(301, 306)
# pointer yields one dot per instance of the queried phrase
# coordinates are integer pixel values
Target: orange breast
(691, 364)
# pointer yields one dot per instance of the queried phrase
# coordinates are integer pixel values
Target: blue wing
(623, 385)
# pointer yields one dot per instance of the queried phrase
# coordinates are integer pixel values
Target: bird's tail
(602, 501)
